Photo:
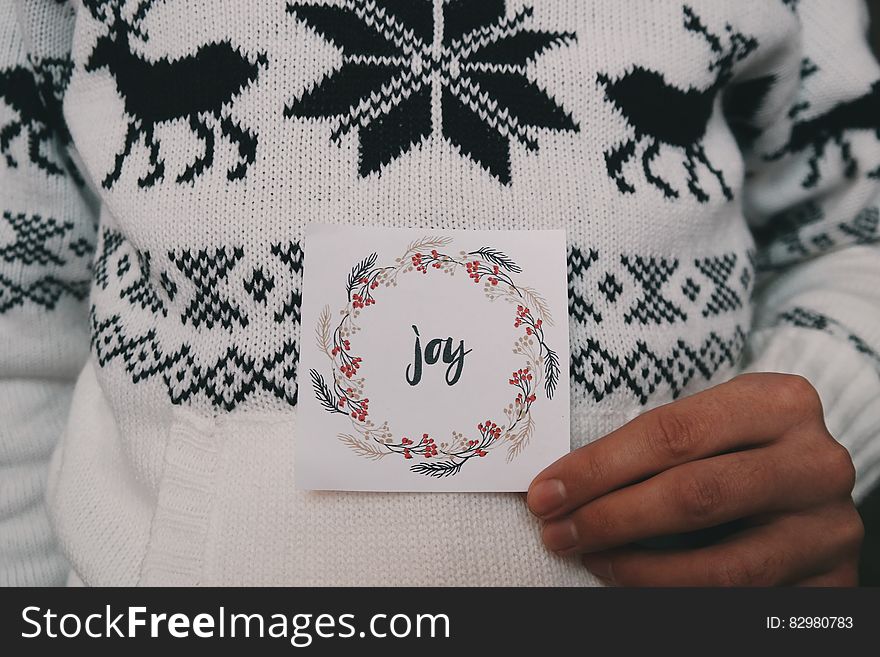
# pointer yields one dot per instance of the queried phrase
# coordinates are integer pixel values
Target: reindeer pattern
(205, 84)
(812, 136)
(33, 93)
(661, 114)
(169, 291)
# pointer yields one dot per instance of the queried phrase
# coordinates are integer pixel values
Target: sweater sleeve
(47, 236)
(812, 198)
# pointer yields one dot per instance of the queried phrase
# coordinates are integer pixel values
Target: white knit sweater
(160, 160)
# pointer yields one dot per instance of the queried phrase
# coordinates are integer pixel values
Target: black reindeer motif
(38, 111)
(199, 88)
(664, 115)
(862, 113)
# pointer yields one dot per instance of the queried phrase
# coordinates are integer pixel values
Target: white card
(431, 360)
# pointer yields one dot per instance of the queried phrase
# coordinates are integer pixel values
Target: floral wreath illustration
(346, 394)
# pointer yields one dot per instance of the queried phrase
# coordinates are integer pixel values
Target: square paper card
(431, 360)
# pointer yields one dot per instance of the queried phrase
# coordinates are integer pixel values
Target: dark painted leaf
(524, 100)
(474, 138)
(461, 17)
(551, 372)
(438, 468)
(343, 29)
(323, 393)
(390, 135)
(359, 271)
(342, 90)
(499, 258)
(520, 47)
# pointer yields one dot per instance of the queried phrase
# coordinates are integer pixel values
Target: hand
(753, 450)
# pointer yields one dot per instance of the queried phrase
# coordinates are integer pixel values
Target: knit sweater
(716, 168)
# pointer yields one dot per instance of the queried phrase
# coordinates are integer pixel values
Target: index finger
(750, 410)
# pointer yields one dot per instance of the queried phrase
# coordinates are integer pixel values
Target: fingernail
(599, 566)
(560, 536)
(546, 496)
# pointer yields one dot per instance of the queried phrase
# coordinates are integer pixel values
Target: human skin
(753, 451)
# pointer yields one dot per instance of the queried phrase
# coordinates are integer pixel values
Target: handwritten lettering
(434, 351)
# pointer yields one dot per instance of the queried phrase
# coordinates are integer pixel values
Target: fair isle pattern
(208, 294)
(810, 319)
(656, 290)
(644, 371)
(390, 67)
(802, 233)
(207, 269)
(44, 259)
(140, 291)
(212, 293)
(648, 291)
(224, 382)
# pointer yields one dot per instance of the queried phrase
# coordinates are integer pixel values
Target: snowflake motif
(402, 68)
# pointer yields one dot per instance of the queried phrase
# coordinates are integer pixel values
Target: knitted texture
(715, 167)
